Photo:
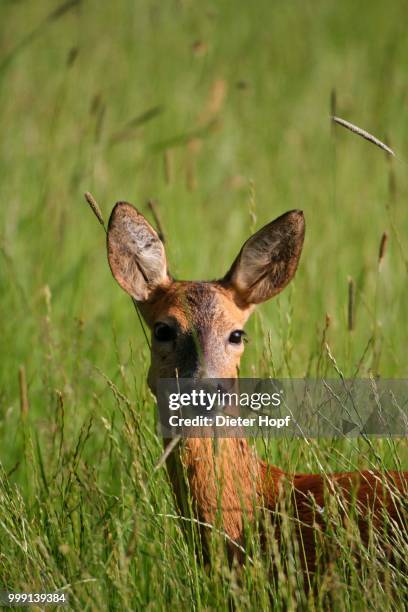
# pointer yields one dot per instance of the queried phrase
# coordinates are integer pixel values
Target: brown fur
(232, 479)
(204, 315)
(369, 493)
(224, 478)
(220, 475)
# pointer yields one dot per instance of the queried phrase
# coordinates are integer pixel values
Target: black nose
(187, 356)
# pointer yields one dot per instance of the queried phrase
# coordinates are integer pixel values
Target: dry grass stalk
(155, 213)
(95, 208)
(383, 247)
(167, 451)
(363, 133)
(215, 101)
(72, 56)
(193, 148)
(62, 9)
(97, 109)
(130, 129)
(22, 381)
(252, 205)
(199, 48)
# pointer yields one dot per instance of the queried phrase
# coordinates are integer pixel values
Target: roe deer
(197, 332)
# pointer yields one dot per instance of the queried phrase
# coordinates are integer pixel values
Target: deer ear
(268, 259)
(135, 253)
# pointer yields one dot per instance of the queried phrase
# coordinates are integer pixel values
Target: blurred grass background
(219, 112)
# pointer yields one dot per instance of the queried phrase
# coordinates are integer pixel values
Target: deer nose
(200, 357)
(205, 370)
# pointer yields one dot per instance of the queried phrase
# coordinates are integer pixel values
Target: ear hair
(135, 253)
(268, 259)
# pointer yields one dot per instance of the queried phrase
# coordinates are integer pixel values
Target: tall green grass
(219, 112)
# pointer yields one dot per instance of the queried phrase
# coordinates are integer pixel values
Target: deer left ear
(135, 253)
(268, 260)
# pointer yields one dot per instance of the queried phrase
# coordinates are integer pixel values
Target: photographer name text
(228, 421)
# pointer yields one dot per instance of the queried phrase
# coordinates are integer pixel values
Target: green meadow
(219, 114)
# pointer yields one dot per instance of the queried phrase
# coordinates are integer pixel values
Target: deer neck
(222, 477)
(221, 480)
(224, 480)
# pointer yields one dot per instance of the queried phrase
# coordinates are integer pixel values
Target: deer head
(198, 327)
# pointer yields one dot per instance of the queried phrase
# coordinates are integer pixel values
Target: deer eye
(163, 332)
(236, 336)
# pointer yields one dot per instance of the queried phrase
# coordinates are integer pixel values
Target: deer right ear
(135, 253)
(268, 259)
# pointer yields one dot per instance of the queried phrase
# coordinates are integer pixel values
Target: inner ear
(268, 260)
(135, 252)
